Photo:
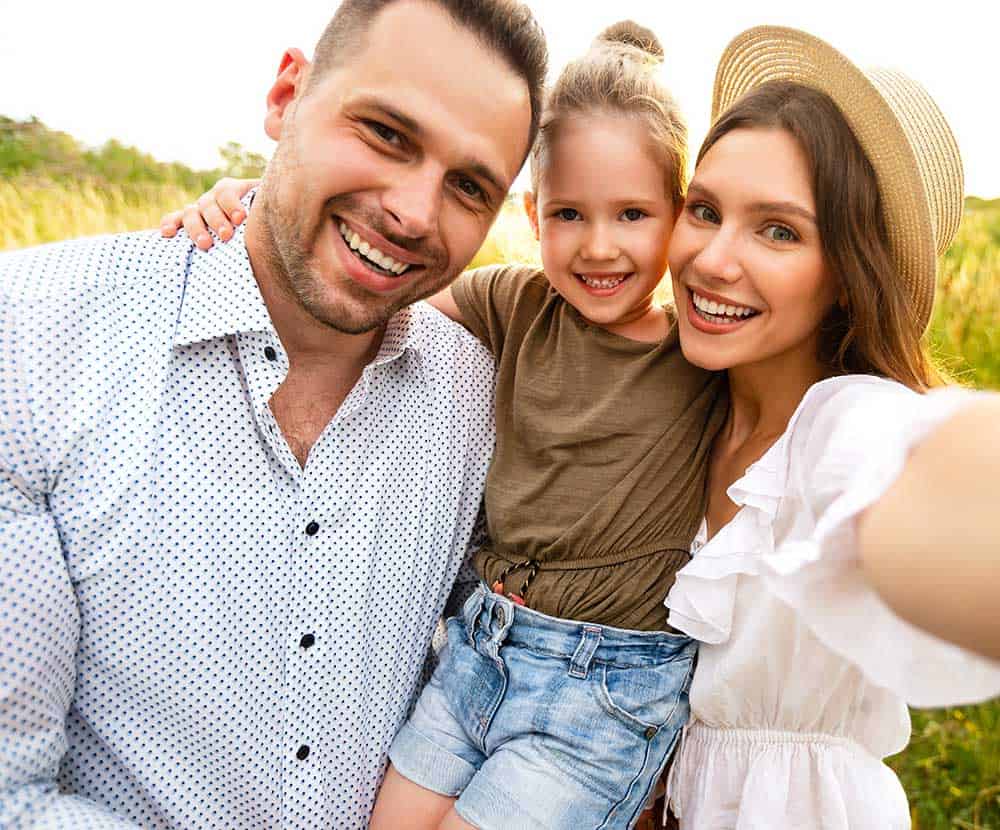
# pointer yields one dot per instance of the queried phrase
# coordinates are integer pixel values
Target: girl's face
(603, 216)
(749, 276)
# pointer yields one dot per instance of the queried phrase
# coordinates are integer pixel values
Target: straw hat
(900, 128)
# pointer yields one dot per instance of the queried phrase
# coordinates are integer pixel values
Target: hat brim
(774, 53)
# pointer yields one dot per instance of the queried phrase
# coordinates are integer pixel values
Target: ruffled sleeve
(845, 448)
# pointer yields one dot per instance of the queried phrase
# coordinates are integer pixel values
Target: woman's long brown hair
(876, 332)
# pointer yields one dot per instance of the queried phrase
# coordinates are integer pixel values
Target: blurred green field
(951, 770)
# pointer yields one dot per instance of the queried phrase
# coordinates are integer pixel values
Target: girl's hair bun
(630, 33)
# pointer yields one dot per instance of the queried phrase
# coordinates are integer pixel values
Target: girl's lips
(701, 324)
(597, 291)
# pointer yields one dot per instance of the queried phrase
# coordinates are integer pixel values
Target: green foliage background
(52, 188)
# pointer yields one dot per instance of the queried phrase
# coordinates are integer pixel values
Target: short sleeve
(489, 298)
(846, 451)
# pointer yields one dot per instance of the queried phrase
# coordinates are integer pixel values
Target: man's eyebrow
(405, 121)
(473, 167)
(756, 207)
(481, 171)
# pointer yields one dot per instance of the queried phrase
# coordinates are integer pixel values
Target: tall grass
(951, 770)
(38, 210)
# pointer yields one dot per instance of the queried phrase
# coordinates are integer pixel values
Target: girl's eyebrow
(756, 207)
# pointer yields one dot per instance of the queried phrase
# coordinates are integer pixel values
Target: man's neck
(323, 364)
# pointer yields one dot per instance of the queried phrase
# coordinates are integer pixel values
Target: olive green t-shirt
(601, 457)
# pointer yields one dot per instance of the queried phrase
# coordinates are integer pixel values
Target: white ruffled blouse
(804, 674)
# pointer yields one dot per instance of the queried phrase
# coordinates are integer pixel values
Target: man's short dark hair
(505, 26)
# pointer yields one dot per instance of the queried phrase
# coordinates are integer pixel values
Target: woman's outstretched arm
(931, 545)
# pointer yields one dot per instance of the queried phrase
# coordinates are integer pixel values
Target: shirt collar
(222, 297)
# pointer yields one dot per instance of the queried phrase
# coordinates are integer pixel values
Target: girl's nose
(600, 245)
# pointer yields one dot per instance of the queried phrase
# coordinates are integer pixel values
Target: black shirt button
(312, 529)
(303, 752)
(307, 641)
(270, 353)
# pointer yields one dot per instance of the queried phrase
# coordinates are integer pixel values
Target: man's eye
(568, 214)
(470, 188)
(779, 233)
(704, 213)
(633, 214)
(387, 134)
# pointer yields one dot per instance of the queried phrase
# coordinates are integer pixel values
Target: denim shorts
(542, 723)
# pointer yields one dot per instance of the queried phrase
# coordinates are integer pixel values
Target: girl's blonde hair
(618, 75)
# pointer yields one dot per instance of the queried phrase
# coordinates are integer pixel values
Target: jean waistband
(508, 623)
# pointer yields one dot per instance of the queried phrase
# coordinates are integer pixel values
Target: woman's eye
(387, 134)
(568, 214)
(704, 213)
(779, 233)
(633, 214)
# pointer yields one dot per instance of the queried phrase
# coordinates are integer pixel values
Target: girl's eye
(633, 214)
(387, 134)
(704, 213)
(779, 233)
(568, 214)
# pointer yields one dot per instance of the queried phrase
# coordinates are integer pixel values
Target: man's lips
(358, 270)
(380, 243)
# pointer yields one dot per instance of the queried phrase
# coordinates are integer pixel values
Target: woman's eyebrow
(783, 207)
(756, 207)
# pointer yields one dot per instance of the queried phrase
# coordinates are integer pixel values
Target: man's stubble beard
(297, 272)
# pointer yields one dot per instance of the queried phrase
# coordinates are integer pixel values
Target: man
(237, 485)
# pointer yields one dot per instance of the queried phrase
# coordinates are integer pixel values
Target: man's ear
(531, 209)
(292, 74)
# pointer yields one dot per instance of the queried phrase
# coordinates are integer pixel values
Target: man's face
(390, 170)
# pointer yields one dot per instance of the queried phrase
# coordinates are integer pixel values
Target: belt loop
(580, 664)
(471, 610)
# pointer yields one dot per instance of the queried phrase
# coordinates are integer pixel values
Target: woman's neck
(764, 396)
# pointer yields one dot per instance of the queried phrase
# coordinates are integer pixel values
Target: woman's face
(749, 276)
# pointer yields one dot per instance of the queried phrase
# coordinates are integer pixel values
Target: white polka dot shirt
(196, 632)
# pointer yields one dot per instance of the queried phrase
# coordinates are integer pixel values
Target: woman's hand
(219, 209)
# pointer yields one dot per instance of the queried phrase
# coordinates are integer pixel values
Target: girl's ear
(531, 209)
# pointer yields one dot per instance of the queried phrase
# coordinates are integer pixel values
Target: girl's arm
(931, 545)
(220, 209)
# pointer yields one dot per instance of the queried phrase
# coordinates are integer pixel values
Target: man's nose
(600, 244)
(414, 200)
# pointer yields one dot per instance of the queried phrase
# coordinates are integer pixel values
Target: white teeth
(720, 309)
(384, 261)
(599, 283)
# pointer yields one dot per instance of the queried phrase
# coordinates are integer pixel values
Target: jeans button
(501, 617)
(650, 733)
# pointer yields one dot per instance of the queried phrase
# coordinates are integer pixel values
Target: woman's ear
(292, 74)
(531, 209)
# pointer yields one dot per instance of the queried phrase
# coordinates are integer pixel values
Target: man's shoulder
(442, 340)
(110, 263)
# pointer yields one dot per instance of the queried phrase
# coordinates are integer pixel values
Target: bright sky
(181, 82)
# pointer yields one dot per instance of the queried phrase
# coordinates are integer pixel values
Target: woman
(803, 266)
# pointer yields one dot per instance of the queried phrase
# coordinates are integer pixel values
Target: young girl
(562, 691)
(817, 206)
